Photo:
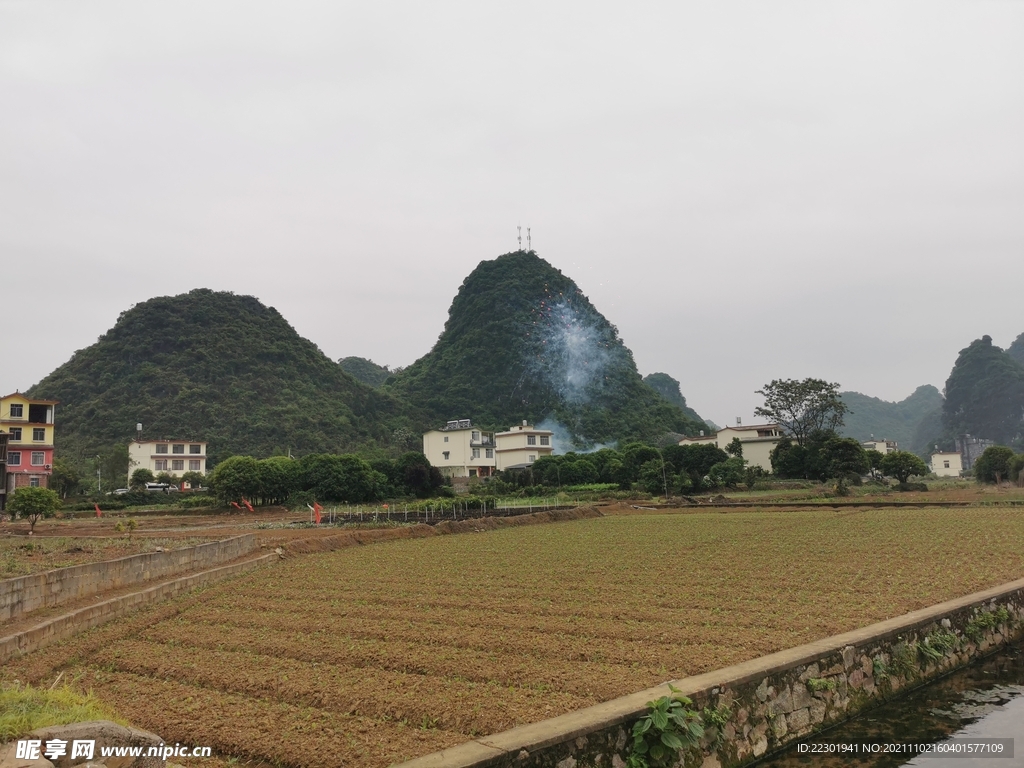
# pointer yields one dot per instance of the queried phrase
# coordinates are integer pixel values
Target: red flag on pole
(98, 512)
(235, 505)
(248, 505)
(317, 509)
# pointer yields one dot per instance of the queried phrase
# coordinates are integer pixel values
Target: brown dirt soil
(373, 654)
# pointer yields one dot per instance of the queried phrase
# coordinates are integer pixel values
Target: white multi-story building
(757, 440)
(520, 446)
(459, 449)
(882, 446)
(176, 457)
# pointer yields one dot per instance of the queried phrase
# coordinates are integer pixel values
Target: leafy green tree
(166, 478)
(735, 447)
(579, 472)
(844, 456)
(417, 476)
(694, 460)
(993, 466)
(728, 473)
(875, 462)
(236, 478)
(1014, 467)
(788, 459)
(194, 479)
(343, 478)
(65, 478)
(985, 393)
(278, 479)
(903, 465)
(802, 407)
(653, 477)
(33, 503)
(140, 477)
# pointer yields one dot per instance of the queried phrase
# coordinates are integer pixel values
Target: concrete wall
(24, 594)
(73, 622)
(772, 701)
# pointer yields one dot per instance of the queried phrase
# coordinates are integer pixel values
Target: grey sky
(747, 190)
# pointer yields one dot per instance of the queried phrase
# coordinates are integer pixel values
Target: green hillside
(523, 342)
(985, 393)
(669, 389)
(892, 421)
(364, 370)
(212, 366)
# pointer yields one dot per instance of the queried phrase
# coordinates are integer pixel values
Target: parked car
(119, 492)
(161, 487)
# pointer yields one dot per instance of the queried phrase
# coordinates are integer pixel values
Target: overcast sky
(748, 191)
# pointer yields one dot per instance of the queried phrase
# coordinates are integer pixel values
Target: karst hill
(218, 366)
(523, 342)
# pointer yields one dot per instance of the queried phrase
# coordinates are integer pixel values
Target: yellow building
(459, 449)
(522, 445)
(175, 457)
(758, 442)
(29, 425)
(947, 464)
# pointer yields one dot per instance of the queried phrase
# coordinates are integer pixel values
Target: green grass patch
(24, 708)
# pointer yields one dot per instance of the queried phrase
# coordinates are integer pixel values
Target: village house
(758, 441)
(459, 449)
(175, 457)
(947, 463)
(29, 425)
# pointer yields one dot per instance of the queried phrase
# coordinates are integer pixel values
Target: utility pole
(99, 476)
(519, 237)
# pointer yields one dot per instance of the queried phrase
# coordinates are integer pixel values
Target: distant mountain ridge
(901, 421)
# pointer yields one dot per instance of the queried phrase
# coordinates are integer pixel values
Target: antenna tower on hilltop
(519, 237)
(529, 247)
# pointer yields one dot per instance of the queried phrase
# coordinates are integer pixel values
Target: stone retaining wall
(768, 702)
(25, 594)
(85, 618)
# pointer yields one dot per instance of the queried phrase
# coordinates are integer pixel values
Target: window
(195, 449)
(490, 453)
(945, 464)
(177, 448)
(195, 465)
(476, 453)
(472, 473)
(161, 464)
(533, 458)
(38, 435)
(446, 438)
(177, 465)
(14, 458)
(15, 434)
(445, 454)
(531, 439)
(161, 449)
(476, 436)
(33, 482)
(38, 458)
(17, 409)
(545, 440)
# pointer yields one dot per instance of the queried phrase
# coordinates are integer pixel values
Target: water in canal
(982, 701)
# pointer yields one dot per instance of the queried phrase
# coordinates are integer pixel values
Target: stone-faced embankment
(768, 702)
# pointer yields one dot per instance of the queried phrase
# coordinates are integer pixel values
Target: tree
(236, 478)
(166, 478)
(735, 447)
(140, 477)
(874, 462)
(653, 478)
(65, 478)
(844, 456)
(985, 393)
(344, 478)
(728, 473)
(903, 464)
(802, 407)
(278, 479)
(194, 479)
(417, 476)
(993, 466)
(34, 503)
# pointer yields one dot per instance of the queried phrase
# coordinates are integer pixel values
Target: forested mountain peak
(523, 342)
(217, 366)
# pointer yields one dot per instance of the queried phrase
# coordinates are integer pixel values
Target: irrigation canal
(982, 701)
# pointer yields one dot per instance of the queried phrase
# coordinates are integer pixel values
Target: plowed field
(375, 654)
